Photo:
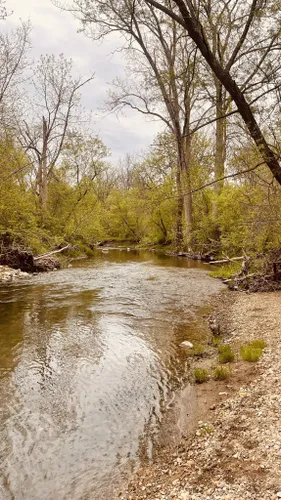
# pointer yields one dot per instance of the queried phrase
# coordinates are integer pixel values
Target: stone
(186, 343)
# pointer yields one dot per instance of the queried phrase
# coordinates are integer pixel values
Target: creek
(89, 356)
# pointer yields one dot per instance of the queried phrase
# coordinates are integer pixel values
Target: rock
(186, 343)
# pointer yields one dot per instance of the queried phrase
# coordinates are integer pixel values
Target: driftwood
(227, 260)
(45, 255)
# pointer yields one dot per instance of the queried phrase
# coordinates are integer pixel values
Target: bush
(226, 354)
(201, 375)
(250, 353)
(221, 373)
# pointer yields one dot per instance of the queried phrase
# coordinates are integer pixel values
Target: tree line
(209, 71)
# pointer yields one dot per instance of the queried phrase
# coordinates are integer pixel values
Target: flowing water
(88, 356)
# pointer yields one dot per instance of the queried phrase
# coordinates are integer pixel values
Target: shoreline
(8, 274)
(232, 449)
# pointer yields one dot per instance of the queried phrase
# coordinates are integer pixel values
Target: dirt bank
(233, 452)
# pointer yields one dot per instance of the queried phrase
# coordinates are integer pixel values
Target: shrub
(226, 354)
(221, 373)
(200, 375)
(250, 353)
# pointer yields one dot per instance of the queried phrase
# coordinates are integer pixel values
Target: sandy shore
(233, 452)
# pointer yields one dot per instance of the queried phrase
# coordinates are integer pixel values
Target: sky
(56, 32)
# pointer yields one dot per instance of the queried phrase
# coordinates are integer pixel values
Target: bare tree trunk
(44, 181)
(179, 233)
(184, 159)
(220, 152)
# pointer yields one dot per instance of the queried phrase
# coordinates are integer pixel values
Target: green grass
(222, 373)
(258, 344)
(226, 271)
(250, 353)
(216, 340)
(253, 350)
(226, 354)
(201, 375)
(198, 350)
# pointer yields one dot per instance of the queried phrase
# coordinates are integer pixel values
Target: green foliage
(226, 355)
(200, 375)
(222, 373)
(226, 271)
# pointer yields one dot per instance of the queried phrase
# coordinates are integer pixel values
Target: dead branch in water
(44, 255)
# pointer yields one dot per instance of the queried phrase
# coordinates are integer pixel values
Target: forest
(209, 184)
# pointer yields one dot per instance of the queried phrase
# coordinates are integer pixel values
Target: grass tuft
(250, 353)
(222, 373)
(216, 340)
(258, 344)
(226, 354)
(201, 375)
(197, 350)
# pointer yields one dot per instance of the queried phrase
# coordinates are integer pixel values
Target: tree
(13, 62)
(264, 41)
(57, 101)
(165, 83)
(83, 156)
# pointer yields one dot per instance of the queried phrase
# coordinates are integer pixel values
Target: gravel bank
(235, 453)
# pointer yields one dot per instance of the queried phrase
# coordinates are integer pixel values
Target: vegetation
(222, 373)
(216, 340)
(209, 183)
(258, 344)
(200, 375)
(226, 355)
(227, 271)
(249, 353)
(197, 350)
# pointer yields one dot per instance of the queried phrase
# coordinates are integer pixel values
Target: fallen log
(225, 261)
(45, 255)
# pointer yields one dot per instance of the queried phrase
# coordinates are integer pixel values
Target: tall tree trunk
(179, 232)
(220, 152)
(44, 182)
(184, 159)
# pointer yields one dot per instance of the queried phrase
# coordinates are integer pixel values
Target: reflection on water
(86, 358)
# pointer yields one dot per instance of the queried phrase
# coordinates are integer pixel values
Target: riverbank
(235, 451)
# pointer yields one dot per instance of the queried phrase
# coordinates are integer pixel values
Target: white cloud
(55, 32)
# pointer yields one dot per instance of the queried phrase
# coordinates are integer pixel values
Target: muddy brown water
(88, 357)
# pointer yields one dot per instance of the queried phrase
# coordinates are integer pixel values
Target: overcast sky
(55, 32)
